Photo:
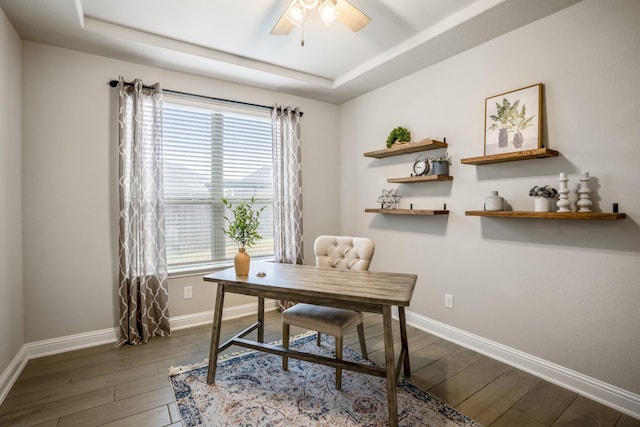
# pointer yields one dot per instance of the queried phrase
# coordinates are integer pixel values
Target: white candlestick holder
(563, 202)
(584, 202)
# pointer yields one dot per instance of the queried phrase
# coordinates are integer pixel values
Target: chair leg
(318, 338)
(285, 344)
(339, 357)
(363, 345)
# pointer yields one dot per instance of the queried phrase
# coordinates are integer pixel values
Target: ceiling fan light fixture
(308, 4)
(296, 14)
(328, 11)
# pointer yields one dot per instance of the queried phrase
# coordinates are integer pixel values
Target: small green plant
(243, 227)
(445, 158)
(398, 134)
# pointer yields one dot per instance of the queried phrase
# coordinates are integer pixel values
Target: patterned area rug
(251, 389)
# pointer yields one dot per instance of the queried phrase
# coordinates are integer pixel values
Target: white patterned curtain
(143, 276)
(287, 185)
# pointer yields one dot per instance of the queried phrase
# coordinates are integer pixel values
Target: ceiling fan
(329, 10)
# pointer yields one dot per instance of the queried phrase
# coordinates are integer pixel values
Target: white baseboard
(70, 342)
(607, 394)
(11, 373)
(48, 347)
(205, 317)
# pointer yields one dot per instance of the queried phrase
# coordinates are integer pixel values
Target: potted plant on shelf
(542, 196)
(242, 229)
(398, 134)
(441, 164)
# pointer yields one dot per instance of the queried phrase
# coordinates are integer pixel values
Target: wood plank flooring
(129, 386)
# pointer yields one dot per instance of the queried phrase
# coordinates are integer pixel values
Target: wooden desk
(365, 291)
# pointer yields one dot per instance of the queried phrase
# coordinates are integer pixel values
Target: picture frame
(513, 121)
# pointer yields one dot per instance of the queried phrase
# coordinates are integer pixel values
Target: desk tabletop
(308, 282)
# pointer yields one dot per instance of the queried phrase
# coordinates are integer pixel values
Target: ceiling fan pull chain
(302, 34)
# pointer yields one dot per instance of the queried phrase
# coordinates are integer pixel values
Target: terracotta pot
(241, 262)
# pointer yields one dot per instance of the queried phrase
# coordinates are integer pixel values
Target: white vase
(494, 202)
(541, 204)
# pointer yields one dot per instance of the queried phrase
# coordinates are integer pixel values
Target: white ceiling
(231, 40)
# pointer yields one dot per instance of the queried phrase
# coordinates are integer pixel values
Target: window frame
(218, 239)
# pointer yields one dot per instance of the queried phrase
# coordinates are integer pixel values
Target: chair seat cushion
(328, 320)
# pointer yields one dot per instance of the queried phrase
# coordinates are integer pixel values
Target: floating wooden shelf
(510, 157)
(421, 178)
(409, 147)
(549, 215)
(408, 211)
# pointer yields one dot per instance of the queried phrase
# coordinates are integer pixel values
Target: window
(210, 152)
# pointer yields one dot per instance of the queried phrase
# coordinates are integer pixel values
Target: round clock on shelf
(420, 166)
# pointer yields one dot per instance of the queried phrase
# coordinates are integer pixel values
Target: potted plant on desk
(242, 229)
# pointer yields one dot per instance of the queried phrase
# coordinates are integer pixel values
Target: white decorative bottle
(493, 202)
(563, 202)
(584, 194)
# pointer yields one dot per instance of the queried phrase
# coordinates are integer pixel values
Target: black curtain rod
(114, 83)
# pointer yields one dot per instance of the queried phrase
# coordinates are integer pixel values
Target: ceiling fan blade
(351, 16)
(284, 24)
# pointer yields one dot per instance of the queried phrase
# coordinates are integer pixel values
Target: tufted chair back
(344, 252)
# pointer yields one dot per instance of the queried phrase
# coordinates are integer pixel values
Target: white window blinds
(210, 153)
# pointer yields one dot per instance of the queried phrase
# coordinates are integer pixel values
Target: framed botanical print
(513, 121)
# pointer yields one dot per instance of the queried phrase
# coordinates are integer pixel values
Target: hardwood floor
(129, 386)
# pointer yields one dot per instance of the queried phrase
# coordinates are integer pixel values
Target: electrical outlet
(188, 292)
(448, 301)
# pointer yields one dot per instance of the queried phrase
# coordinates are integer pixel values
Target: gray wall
(11, 324)
(70, 193)
(564, 291)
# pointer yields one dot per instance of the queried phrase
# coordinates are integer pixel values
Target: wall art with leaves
(513, 121)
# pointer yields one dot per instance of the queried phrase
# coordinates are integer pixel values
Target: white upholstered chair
(336, 252)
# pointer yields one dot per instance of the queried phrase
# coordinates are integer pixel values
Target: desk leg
(260, 319)
(390, 366)
(404, 341)
(215, 335)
